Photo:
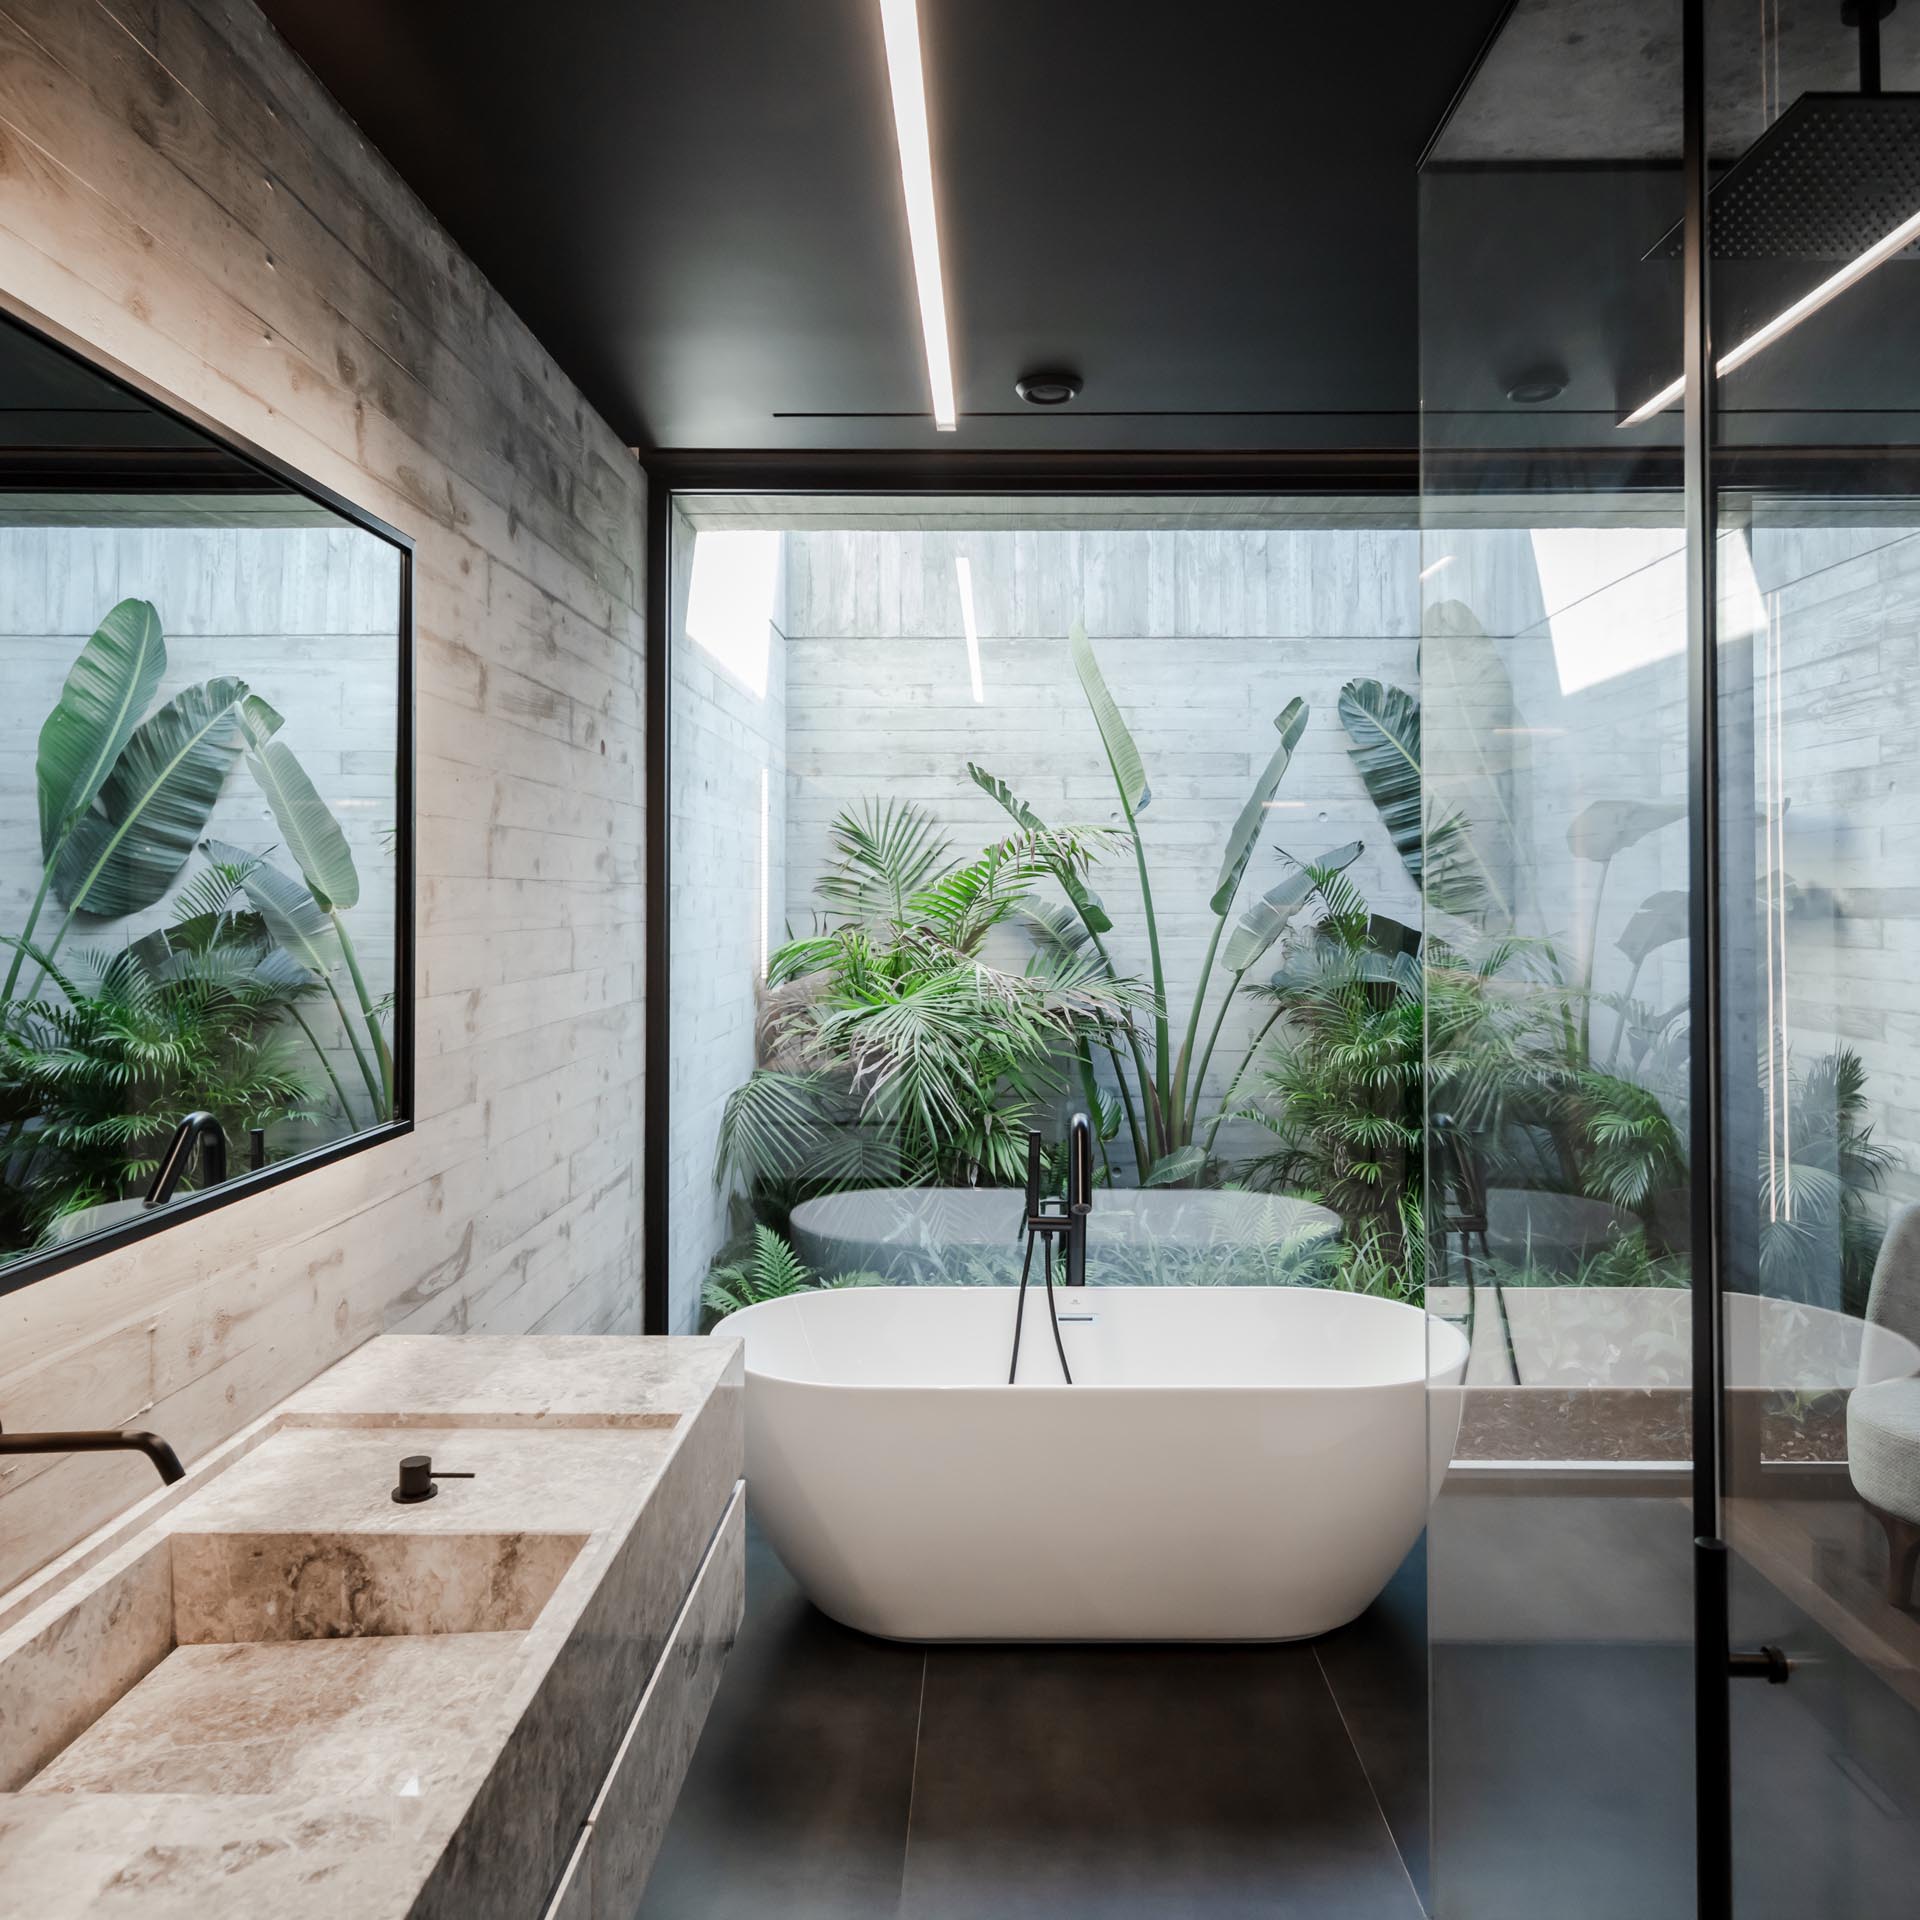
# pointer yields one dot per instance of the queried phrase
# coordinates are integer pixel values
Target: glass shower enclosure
(1670, 563)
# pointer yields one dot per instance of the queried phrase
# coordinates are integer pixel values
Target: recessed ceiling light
(1051, 389)
(900, 21)
(1537, 386)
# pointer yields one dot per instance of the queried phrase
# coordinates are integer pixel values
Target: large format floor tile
(1377, 1668)
(796, 1803)
(1110, 1784)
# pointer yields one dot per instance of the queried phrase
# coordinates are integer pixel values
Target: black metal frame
(167, 469)
(1383, 473)
(1713, 1754)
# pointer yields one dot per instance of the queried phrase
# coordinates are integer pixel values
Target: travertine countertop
(274, 1690)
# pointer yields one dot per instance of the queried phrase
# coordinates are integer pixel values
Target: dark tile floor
(841, 1777)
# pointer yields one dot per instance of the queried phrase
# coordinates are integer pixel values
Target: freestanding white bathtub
(1243, 1463)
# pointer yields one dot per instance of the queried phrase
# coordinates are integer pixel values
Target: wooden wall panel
(178, 190)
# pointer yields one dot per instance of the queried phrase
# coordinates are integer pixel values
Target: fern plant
(201, 1013)
(770, 1270)
(917, 1051)
(1335, 1079)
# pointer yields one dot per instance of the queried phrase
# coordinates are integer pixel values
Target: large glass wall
(1565, 1000)
(1814, 138)
(1553, 570)
(988, 811)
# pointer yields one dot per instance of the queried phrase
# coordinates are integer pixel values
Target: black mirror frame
(246, 458)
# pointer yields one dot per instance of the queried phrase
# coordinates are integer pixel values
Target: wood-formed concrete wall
(176, 188)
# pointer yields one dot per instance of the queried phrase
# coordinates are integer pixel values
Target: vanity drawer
(629, 1818)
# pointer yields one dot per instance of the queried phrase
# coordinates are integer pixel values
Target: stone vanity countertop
(273, 1689)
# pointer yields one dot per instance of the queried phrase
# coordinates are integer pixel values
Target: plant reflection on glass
(99, 1068)
(102, 1049)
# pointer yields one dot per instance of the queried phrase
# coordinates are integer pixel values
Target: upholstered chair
(1883, 1416)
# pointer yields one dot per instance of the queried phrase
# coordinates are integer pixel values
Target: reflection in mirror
(201, 788)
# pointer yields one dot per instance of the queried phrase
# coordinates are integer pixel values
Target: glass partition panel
(987, 812)
(1814, 142)
(1554, 703)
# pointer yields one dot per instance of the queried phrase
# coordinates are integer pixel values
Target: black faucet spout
(200, 1129)
(166, 1462)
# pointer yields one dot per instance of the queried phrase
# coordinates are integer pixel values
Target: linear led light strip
(963, 570)
(900, 20)
(1809, 303)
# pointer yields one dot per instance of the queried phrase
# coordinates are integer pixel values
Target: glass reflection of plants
(103, 1046)
(1520, 1091)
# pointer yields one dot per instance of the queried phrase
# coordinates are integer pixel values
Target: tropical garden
(1422, 1082)
(249, 1000)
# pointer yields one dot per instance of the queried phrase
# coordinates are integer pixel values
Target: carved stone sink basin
(223, 1662)
(290, 1627)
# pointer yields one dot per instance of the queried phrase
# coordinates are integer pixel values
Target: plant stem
(1206, 1059)
(366, 1007)
(1142, 1160)
(1592, 958)
(1193, 1031)
(1126, 1100)
(1162, 1031)
(26, 933)
(1620, 1027)
(353, 1040)
(1240, 1073)
(320, 1054)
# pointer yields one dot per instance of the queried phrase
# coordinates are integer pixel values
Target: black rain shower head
(1833, 175)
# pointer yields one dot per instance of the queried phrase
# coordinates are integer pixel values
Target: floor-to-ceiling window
(985, 812)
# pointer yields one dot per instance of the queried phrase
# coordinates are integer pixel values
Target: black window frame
(244, 467)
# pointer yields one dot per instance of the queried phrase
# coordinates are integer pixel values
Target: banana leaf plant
(1161, 1081)
(123, 799)
(319, 849)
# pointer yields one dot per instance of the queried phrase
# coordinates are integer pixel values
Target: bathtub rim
(1433, 1377)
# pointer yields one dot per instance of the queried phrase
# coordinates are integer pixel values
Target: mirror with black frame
(205, 829)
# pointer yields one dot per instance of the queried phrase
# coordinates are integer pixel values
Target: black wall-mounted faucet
(100, 1440)
(198, 1127)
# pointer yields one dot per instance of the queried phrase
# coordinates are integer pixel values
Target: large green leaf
(883, 856)
(295, 921)
(1266, 920)
(1122, 755)
(1383, 731)
(1660, 919)
(1183, 1163)
(1610, 827)
(106, 692)
(306, 822)
(1292, 722)
(1086, 902)
(124, 854)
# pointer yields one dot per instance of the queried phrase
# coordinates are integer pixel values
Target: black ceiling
(1205, 206)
